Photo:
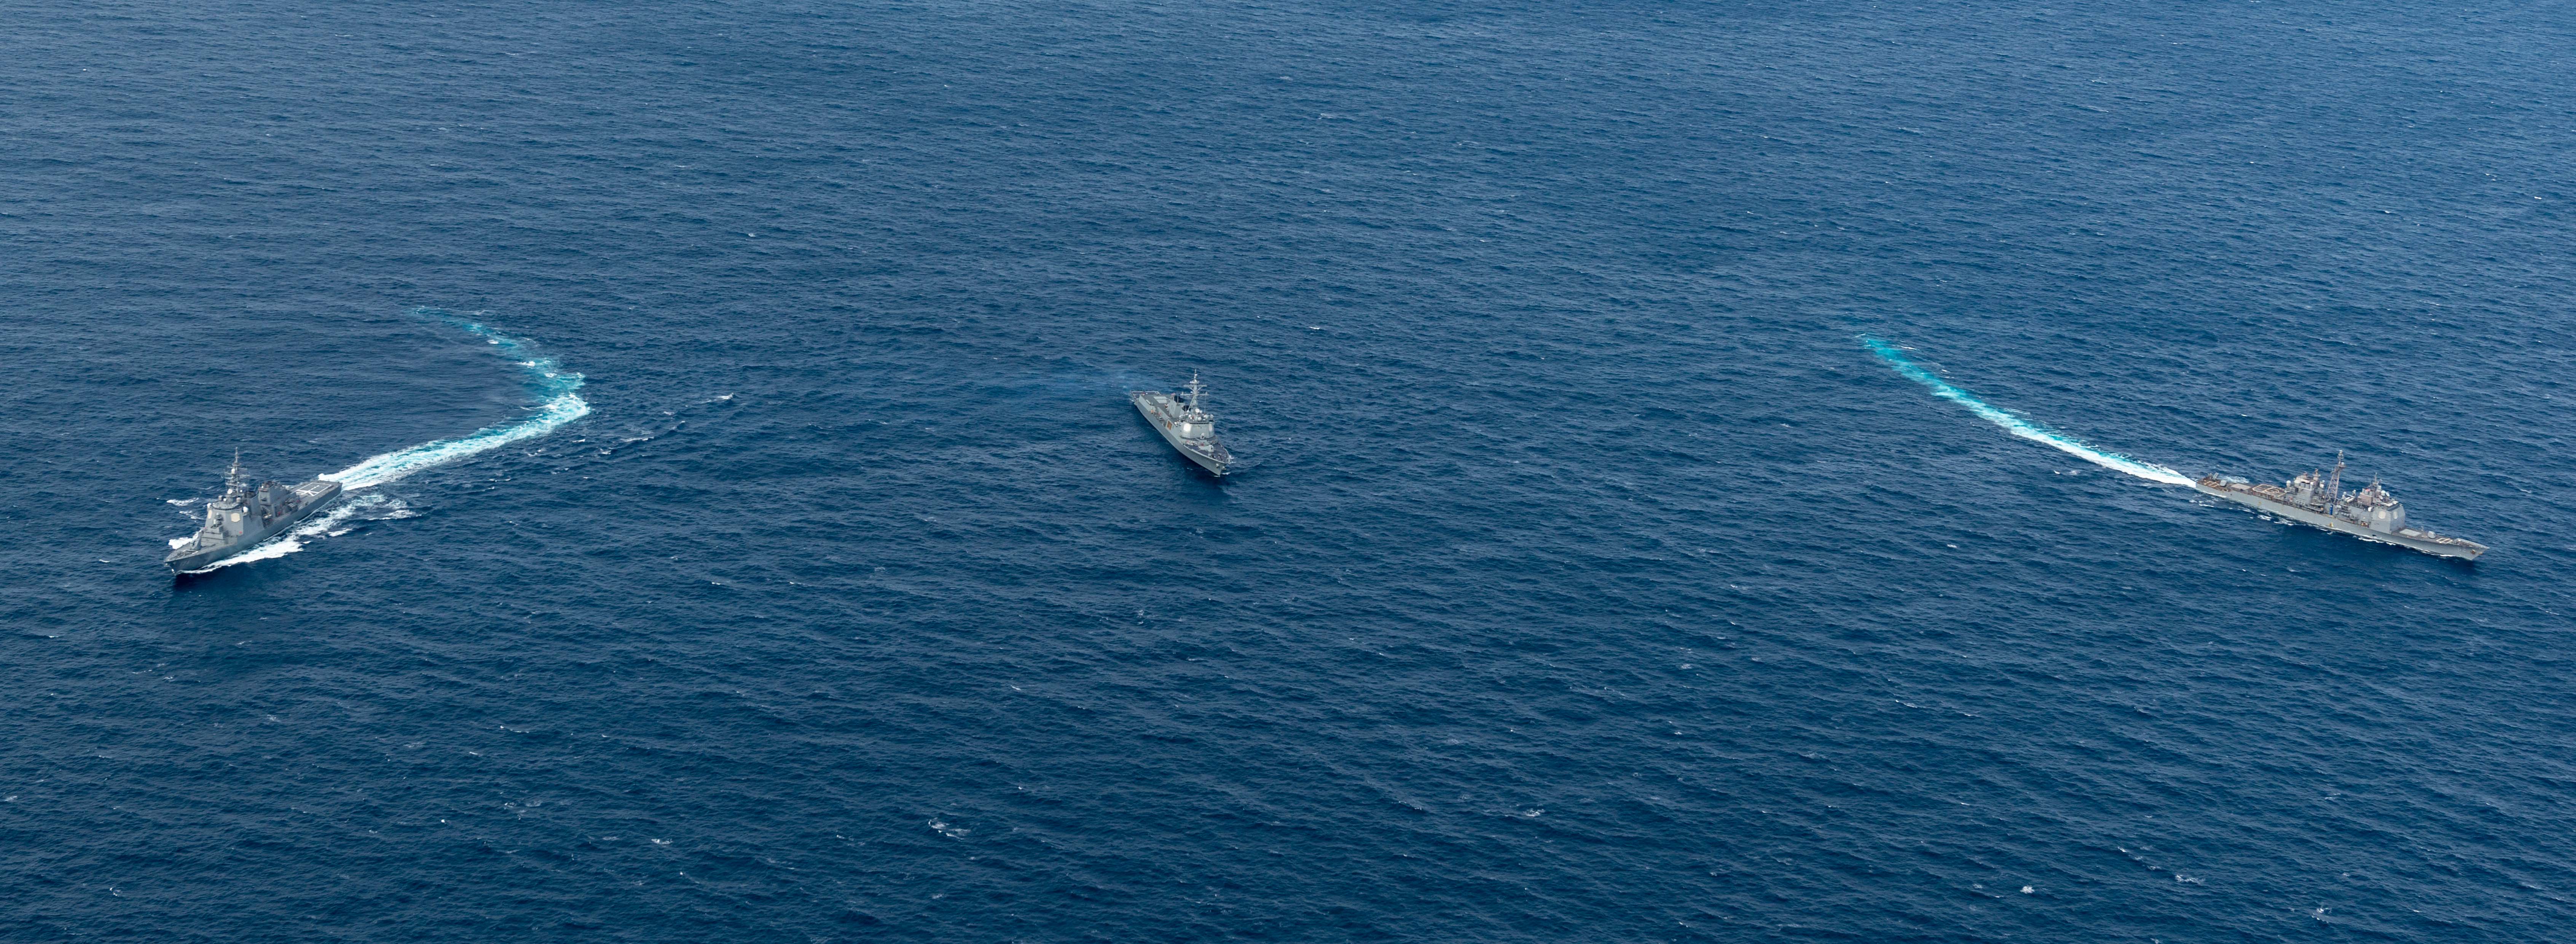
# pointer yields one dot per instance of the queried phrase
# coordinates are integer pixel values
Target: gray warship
(2317, 499)
(247, 515)
(1183, 424)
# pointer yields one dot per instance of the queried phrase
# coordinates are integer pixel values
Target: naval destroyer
(247, 515)
(2318, 499)
(1183, 424)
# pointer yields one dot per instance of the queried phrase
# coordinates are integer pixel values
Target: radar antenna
(1194, 390)
(233, 477)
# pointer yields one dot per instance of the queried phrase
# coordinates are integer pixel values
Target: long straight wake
(2021, 427)
(563, 404)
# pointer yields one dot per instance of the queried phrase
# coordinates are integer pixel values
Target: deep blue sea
(750, 538)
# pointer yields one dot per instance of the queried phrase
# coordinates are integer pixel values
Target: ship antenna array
(1194, 390)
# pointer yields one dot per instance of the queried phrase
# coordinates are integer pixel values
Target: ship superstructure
(246, 515)
(1183, 423)
(2317, 498)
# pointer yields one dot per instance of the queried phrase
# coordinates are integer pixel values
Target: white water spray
(563, 404)
(2021, 427)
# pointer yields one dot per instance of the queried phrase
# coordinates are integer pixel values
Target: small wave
(2021, 427)
(560, 388)
(183, 502)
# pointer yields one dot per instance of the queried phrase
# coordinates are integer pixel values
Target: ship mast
(1194, 391)
(233, 478)
(2334, 486)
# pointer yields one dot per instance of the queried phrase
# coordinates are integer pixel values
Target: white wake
(561, 390)
(2021, 427)
(563, 404)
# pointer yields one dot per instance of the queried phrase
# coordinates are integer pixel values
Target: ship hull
(209, 557)
(1213, 463)
(2458, 550)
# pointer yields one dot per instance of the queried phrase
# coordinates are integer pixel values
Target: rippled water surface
(1594, 579)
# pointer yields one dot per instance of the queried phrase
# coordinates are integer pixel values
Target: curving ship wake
(2021, 427)
(559, 389)
(563, 404)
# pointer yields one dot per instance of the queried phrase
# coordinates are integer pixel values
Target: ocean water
(1706, 472)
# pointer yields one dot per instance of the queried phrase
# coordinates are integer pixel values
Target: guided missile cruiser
(1183, 424)
(245, 516)
(2317, 499)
